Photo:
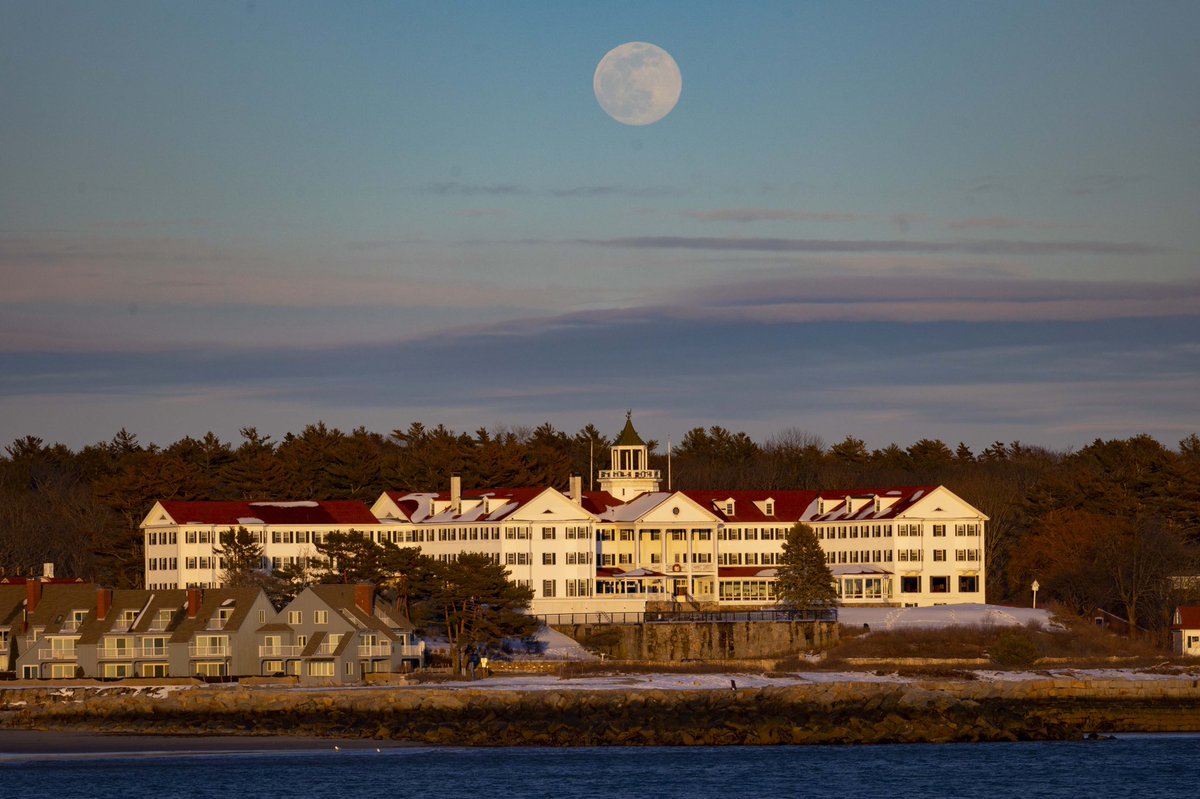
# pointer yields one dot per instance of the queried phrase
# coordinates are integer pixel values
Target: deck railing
(691, 616)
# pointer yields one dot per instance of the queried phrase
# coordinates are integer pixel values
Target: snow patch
(944, 616)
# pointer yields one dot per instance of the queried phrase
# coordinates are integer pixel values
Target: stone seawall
(831, 713)
(718, 640)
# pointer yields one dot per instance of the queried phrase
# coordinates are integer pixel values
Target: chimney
(103, 602)
(576, 489)
(33, 594)
(194, 595)
(455, 492)
(364, 598)
(48, 570)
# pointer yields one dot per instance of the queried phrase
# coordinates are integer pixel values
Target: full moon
(637, 83)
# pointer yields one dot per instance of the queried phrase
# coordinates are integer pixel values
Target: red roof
(595, 502)
(792, 506)
(340, 512)
(789, 505)
(1189, 618)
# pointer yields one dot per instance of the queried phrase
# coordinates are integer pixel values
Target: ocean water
(1131, 766)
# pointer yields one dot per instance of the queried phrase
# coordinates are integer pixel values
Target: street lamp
(1035, 587)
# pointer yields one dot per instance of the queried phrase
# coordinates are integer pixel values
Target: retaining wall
(718, 640)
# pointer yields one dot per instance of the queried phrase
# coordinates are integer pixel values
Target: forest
(1114, 525)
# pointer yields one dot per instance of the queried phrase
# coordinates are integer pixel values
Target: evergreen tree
(243, 558)
(475, 603)
(804, 579)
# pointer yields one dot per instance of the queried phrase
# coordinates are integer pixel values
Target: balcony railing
(207, 651)
(56, 654)
(117, 652)
(281, 651)
(640, 474)
(376, 650)
(409, 650)
(327, 649)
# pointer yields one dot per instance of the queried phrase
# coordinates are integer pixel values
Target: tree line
(1105, 526)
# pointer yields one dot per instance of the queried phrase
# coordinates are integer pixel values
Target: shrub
(1013, 649)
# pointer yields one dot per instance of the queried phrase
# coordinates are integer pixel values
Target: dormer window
(769, 508)
(729, 507)
(128, 617)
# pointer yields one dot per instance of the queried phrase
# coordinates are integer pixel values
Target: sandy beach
(52, 742)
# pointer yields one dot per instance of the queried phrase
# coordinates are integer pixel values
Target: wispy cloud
(770, 215)
(1098, 184)
(961, 247)
(615, 191)
(453, 188)
(996, 222)
(944, 298)
(457, 189)
(481, 212)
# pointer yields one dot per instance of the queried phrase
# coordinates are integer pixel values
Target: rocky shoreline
(814, 713)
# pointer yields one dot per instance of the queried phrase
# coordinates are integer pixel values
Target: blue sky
(960, 220)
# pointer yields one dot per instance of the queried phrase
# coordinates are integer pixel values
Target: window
(939, 554)
(769, 509)
(547, 558)
(968, 584)
(320, 668)
(320, 617)
(626, 535)
(966, 554)
(262, 617)
(349, 668)
(547, 588)
(910, 585)
(939, 530)
(118, 669)
(939, 585)
(295, 617)
(548, 532)
(154, 647)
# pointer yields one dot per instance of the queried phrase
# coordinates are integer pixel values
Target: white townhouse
(615, 549)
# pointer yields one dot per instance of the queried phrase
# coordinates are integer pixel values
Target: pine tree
(804, 579)
(475, 602)
(242, 556)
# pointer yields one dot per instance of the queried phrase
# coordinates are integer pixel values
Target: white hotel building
(619, 547)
